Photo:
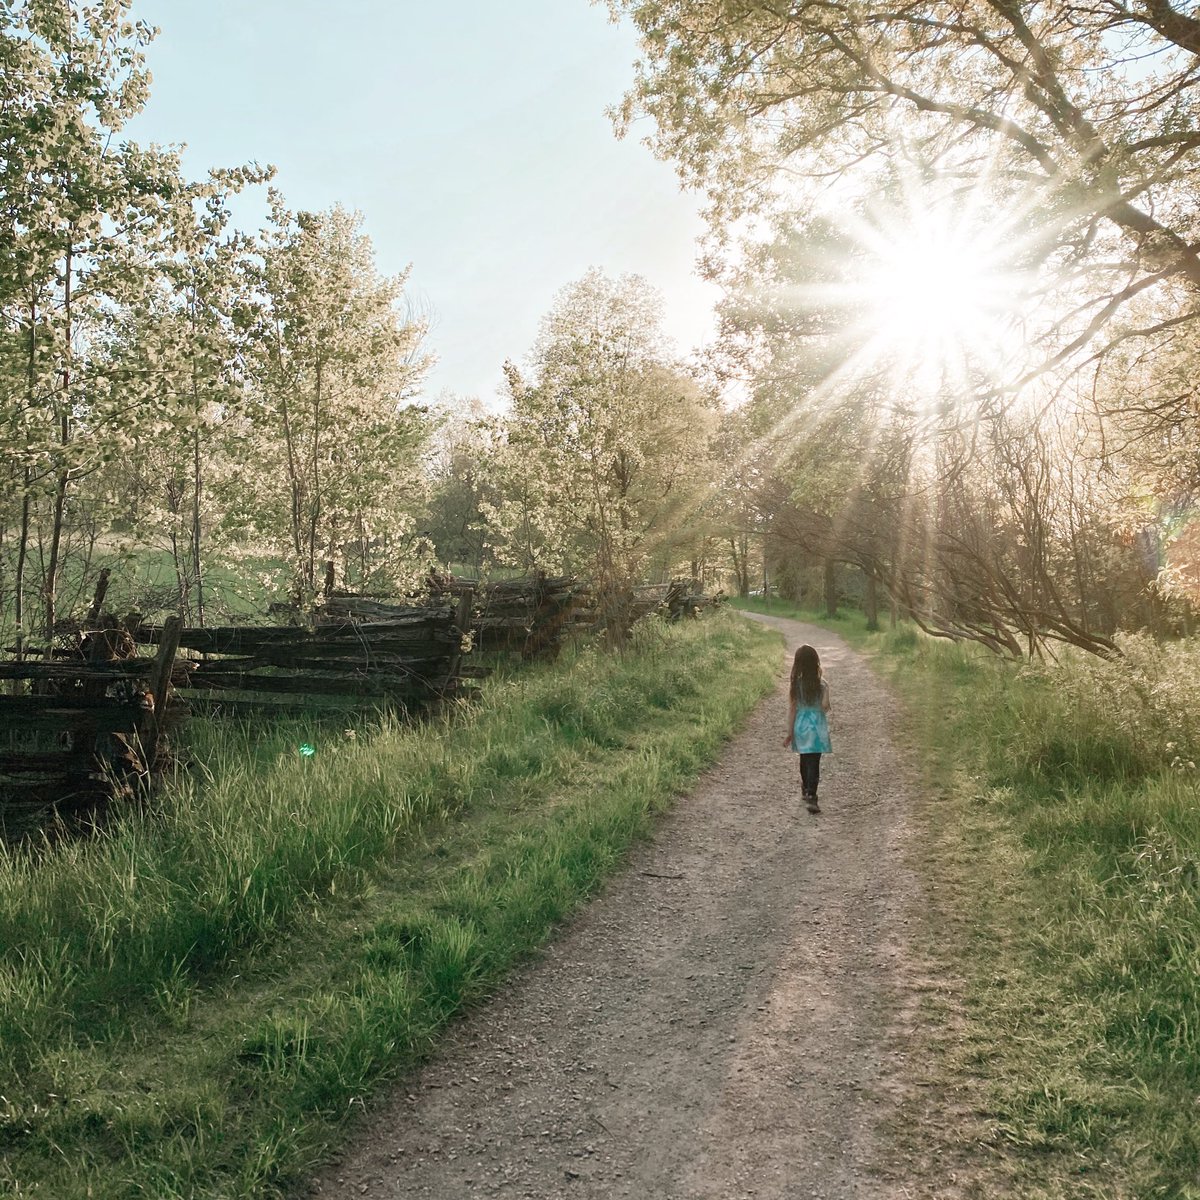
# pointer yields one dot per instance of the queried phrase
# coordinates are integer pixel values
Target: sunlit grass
(850, 623)
(1059, 838)
(1062, 827)
(190, 1004)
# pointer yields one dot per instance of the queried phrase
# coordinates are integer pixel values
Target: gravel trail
(726, 1020)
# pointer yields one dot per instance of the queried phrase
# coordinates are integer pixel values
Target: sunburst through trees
(967, 285)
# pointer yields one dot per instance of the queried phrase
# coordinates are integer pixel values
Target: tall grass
(189, 1002)
(1066, 821)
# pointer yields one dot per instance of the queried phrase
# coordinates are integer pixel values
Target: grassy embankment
(190, 1005)
(1061, 827)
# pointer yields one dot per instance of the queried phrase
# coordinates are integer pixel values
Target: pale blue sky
(471, 136)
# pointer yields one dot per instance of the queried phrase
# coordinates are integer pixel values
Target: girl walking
(808, 724)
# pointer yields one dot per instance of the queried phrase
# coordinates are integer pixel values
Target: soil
(737, 1015)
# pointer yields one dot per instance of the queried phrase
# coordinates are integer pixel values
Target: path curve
(725, 1020)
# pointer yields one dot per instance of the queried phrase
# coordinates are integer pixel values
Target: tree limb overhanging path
(731, 1017)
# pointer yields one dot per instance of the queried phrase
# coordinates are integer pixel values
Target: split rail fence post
(541, 633)
(93, 614)
(160, 680)
(462, 622)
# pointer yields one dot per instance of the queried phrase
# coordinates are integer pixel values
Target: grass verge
(190, 1005)
(1060, 842)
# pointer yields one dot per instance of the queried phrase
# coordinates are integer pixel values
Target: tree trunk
(739, 548)
(22, 556)
(50, 585)
(60, 491)
(871, 602)
(314, 502)
(831, 597)
(93, 613)
(615, 605)
(181, 570)
(295, 483)
(23, 538)
(197, 497)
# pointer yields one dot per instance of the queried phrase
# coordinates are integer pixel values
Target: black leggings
(810, 773)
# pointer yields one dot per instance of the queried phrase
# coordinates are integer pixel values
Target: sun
(928, 296)
(930, 291)
(939, 299)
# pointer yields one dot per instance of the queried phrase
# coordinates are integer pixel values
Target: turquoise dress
(810, 731)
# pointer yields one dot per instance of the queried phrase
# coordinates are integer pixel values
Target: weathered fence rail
(685, 599)
(90, 723)
(532, 616)
(413, 658)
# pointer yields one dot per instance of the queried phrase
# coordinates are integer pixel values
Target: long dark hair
(806, 676)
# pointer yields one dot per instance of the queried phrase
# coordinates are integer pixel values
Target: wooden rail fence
(413, 657)
(91, 723)
(532, 616)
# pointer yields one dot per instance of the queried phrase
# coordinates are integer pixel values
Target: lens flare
(1182, 567)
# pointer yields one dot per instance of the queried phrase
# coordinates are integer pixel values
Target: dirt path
(726, 1020)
